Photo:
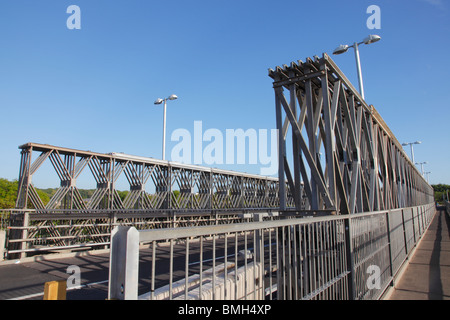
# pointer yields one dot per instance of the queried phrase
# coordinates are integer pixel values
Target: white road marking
(34, 295)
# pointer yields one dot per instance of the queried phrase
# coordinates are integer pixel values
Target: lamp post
(159, 101)
(344, 47)
(427, 173)
(411, 145)
(421, 165)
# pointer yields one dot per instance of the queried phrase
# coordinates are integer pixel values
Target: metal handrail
(327, 257)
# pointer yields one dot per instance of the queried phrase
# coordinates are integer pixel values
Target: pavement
(427, 276)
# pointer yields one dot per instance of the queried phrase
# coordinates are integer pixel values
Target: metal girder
(153, 184)
(364, 166)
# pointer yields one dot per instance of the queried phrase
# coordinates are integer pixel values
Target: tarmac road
(25, 279)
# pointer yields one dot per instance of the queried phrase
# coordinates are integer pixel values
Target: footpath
(427, 276)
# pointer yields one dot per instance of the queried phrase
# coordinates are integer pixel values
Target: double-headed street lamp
(159, 101)
(421, 165)
(412, 150)
(344, 47)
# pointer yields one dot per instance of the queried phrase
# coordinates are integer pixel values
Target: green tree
(440, 192)
(8, 193)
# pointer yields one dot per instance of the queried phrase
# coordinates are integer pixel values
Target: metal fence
(329, 257)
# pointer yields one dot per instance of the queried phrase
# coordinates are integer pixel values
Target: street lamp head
(173, 97)
(418, 142)
(405, 144)
(341, 49)
(371, 39)
(159, 101)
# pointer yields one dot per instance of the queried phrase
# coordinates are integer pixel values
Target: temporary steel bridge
(340, 166)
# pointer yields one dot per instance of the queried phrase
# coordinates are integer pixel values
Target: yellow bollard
(55, 290)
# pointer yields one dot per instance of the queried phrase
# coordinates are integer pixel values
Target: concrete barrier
(246, 285)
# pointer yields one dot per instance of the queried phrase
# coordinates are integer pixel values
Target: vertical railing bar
(324, 259)
(262, 273)
(214, 268)
(201, 268)
(404, 232)
(328, 259)
(294, 242)
(348, 229)
(289, 264)
(186, 271)
(315, 256)
(320, 256)
(300, 258)
(153, 270)
(283, 257)
(270, 264)
(306, 272)
(256, 260)
(277, 254)
(388, 230)
(310, 278)
(333, 257)
(171, 269)
(245, 265)
(226, 266)
(236, 244)
(261, 263)
(341, 260)
(333, 253)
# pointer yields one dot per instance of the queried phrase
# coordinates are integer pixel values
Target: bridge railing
(330, 257)
(161, 194)
(30, 232)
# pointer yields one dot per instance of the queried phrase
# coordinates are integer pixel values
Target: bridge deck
(427, 276)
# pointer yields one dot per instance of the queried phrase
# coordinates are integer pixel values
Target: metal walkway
(427, 276)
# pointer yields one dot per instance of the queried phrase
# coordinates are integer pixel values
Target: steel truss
(364, 167)
(198, 187)
(161, 194)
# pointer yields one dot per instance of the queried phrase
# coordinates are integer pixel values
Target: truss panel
(343, 154)
(153, 184)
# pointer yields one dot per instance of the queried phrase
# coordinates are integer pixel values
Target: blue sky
(94, 88)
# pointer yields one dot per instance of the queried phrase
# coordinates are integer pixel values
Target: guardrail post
(259, 254)
(391, 260)
(55, 290)
(124, 264)
(349, 254)
(2, 244)
(26, 223)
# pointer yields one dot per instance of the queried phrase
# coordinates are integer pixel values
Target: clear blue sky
(94, 88)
